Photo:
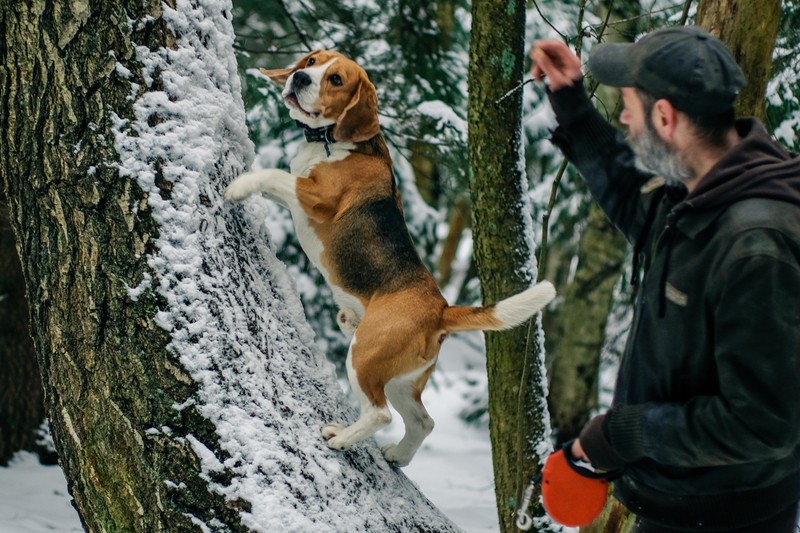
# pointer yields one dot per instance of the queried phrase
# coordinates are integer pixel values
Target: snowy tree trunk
(182, 384)
(504, 252)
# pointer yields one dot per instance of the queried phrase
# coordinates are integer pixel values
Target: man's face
(653, 154)
(632, 111)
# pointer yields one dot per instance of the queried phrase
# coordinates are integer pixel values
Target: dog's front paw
(392, 454)
(242, 187)
(330, 433)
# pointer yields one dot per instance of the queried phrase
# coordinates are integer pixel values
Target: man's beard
(656, 156)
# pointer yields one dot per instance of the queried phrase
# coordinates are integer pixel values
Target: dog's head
(327, 88)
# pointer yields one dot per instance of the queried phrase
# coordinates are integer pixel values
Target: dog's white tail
(505, 314)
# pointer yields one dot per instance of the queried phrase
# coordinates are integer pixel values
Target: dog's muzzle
(300, 81)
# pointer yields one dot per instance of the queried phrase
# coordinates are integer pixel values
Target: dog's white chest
(309, 155)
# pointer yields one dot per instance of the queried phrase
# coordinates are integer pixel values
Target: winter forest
(176, 355)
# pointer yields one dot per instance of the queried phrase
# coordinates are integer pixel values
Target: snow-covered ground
(34, 498)
(453, 468)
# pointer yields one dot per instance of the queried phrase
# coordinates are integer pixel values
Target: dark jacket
(706, 411)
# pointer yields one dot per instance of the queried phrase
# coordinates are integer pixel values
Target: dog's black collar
(319, 135)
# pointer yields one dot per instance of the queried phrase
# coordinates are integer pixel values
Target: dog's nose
(300, 80)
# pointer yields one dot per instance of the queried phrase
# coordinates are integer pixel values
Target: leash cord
(524, 521)
(524, 518)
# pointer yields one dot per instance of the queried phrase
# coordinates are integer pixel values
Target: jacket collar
(757, 167)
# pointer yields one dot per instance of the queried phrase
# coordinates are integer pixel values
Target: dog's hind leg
(348, 322)
(375, 412)
(405, 394)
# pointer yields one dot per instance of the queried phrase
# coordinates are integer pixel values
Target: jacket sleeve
(602, 156)
(756, 414)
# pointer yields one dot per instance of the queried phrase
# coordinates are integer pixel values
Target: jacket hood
(757, 167)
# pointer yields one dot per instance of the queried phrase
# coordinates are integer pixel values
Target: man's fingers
(556, 61)
(544, 66)
(542, 60)
(552, 46)
(538, 71)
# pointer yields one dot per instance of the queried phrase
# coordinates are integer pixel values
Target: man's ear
(359, 120)
(664, 119)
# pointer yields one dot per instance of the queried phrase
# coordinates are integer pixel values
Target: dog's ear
(279, 75)
(359, 120)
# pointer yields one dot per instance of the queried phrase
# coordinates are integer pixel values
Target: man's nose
(300, 80)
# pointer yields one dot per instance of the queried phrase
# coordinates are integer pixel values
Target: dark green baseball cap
(683, 64)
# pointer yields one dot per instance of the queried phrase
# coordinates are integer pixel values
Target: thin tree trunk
(749, 28)
(459, 218)
(504, 248)
(580, 323)
(182, 383)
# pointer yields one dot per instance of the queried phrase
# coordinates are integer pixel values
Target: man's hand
(577, 451)
(555, 60)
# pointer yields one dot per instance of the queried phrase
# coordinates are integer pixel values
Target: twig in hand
(519, 86)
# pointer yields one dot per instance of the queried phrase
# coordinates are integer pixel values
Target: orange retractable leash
(573, 494)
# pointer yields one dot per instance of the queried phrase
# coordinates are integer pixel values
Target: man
(706, 413)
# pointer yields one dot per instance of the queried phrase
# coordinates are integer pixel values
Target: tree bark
(181, 381)
(615, 518)
(504, 248)
(75, 240)
(749, 28)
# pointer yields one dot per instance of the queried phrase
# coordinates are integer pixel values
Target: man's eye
(335, 79)
(310, 61)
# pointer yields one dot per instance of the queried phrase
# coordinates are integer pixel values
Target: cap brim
(610, 64)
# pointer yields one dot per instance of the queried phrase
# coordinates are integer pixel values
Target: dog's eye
(335, 79)
(310, 61)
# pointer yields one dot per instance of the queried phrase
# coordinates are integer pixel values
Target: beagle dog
(348, 216)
